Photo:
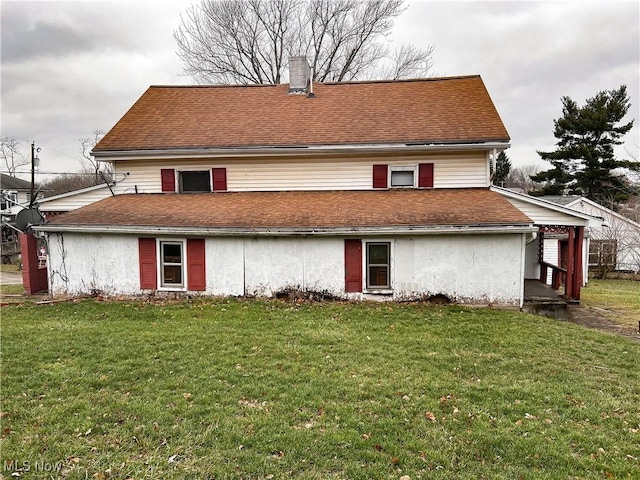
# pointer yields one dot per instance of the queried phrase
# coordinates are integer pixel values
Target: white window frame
(403, 168)
(10, 199)
(183, 264)
(380, 290)
(191, 170)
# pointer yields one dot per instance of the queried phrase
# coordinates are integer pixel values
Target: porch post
(569, 280)
(577, 284)
(543, 269)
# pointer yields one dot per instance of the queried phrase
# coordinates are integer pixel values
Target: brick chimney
(299, 75)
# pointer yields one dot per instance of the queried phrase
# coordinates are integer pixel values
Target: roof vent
(299, 75)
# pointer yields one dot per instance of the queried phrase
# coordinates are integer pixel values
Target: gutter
(242, 152)
(290, 231)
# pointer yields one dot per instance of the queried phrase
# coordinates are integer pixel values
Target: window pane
(195, 181)
(378, 253)
(378, 276)
(172, 274)
(402, 178)
(171, 253)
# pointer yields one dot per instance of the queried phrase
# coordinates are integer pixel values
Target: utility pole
(33, 169)
(34, 160)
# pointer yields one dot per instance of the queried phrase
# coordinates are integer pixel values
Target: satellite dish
(27, 217)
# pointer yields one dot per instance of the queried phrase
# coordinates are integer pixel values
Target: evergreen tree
(584, 160)
(503, 167)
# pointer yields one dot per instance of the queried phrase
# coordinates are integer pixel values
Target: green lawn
(9, 268)
(267, 389)
(620, 299)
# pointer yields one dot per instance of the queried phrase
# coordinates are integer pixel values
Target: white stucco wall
(80, 263)
(466, 268)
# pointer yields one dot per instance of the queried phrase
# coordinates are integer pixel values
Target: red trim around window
(380, 173)
(148, 261)
(353, 265)
(168, 176)
(425, 175)
(196, 265)
(219, 176)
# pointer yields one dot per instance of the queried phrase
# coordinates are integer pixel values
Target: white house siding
(532, 265)
(546, 216)
(74, 200)
(466, 268)
(451, 170)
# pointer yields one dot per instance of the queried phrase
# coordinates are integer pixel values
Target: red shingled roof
(444, 110)
(300, 209)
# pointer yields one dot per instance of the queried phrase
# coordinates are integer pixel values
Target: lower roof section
(298, 213)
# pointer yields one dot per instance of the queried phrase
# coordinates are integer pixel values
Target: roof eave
(547, 204)
(283, 151)
(486, 229)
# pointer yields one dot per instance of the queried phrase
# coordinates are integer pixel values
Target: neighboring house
(614, 245)
(66, 202)
(14, 196)
(360, 190)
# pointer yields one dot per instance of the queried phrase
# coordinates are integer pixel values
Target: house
(68, 201)
(359, 190)
(614, 245)
(14, 196)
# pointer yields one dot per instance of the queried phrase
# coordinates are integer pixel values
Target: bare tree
(249, 41)
(12, 157)
(100, 170)
(520, 177)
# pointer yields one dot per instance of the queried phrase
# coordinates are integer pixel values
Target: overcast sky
(69, 68)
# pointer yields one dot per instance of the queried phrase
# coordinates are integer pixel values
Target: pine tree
(503, 167)
(584, 162)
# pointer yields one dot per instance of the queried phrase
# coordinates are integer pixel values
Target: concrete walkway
(9, 278)
(590, 317)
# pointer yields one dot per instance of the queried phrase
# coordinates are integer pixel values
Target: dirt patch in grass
(618, 300)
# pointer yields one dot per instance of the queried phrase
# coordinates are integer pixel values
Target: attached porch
(560, 279)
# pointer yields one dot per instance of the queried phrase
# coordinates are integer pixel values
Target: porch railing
(557, 274)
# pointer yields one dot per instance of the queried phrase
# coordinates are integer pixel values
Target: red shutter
(425, 175)
(196, 267)
(353, 265)
(219, 179)
(168, 179)
(147, 260)
(380, 173)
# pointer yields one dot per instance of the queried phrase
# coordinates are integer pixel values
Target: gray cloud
(23, 40)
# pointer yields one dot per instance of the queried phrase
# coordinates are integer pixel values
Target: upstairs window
(402, 177)
(195, 181)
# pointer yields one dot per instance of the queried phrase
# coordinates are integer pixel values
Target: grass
(9, 268)
(11, 289)
(620, 299)
(267, 389)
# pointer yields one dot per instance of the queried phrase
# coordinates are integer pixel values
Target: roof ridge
(352, 82)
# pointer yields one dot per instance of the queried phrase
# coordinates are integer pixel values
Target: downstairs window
(378, 265)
